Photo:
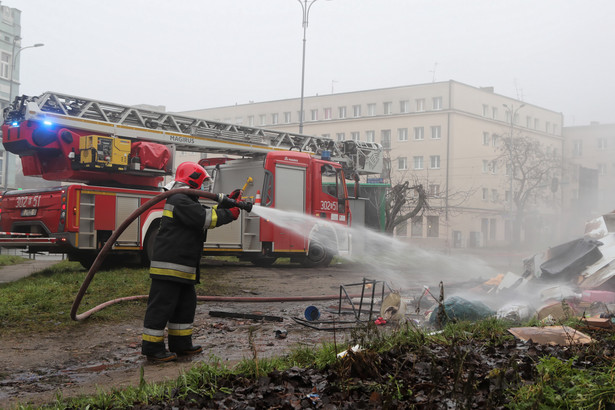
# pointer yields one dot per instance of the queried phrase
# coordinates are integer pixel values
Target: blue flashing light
(15, 124)
(47, 122)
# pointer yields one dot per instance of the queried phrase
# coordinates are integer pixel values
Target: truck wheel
(148, 243)
(85, 260)
(318, 255)
(263, 261)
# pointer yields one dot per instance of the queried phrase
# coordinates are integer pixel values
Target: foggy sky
(194, 54)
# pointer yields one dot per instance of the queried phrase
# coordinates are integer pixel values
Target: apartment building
(10, 46)
(444, 135)
(589, 180)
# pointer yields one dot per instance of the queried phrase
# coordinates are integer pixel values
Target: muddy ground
(89, 358)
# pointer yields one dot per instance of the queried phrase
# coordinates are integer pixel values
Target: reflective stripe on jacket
(179, 243)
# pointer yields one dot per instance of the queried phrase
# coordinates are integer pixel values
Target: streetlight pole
(14, 55)
(513, 112)
(305, 6)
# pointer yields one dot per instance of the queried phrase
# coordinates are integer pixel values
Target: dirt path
(92, 357)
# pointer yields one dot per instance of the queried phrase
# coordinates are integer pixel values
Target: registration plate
(28, 212)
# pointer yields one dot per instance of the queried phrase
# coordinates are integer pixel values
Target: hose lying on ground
(105, 249)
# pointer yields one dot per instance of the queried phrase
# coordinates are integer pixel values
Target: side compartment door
(289, 195)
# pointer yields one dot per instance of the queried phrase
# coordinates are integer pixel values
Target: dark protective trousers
(173, 303)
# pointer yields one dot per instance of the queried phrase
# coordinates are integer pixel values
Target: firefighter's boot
(189, 351)
(162, 357)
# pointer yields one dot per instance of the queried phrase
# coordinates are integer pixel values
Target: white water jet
(402, 264)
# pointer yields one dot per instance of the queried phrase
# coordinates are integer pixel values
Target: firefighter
(174, 268)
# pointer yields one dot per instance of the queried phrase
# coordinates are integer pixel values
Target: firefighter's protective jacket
(179, 244)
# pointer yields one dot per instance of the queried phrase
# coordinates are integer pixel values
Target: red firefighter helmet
(191, 173)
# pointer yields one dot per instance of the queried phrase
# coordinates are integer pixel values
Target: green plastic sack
(458, 308)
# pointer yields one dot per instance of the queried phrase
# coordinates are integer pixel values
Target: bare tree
(532, 168)
(401, 206)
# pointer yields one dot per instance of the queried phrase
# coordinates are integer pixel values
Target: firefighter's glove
(224, 202)
(234, 212)
(236, 194)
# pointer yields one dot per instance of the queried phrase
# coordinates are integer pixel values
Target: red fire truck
(112, 158)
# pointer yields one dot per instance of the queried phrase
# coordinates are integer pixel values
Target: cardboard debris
(558, 311)
(597, 322)
(551, 335)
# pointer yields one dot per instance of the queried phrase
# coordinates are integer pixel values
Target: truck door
(289, 194)
(290, 188)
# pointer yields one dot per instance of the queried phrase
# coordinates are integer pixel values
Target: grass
(42, 302)
(6, 260)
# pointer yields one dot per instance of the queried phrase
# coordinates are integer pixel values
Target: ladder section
(186, 133)
(87, 233)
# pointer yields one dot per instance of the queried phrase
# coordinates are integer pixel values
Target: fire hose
(247, 206)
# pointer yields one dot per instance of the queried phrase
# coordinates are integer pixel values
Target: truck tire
(148, 243)
(318, 255)
(86, 260)
(263, 261)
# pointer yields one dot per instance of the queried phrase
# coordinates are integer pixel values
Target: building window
(5, 65)
(327, 112)
(434, 190)
(434, 161)
(486, 138)
(263, 119)
(402, 134)
(342, 112)
(420, 104)
(416, 229)
(274, 118)
(433, 226)
(404, 106)
(494, 113)
(602, 143)
(485, 110)
(340, 136)
(437, 103)
(388, 108)
(287, 117)
(402, 229)
(536, 123)
(547, 127)
(495, 196)
(436, 132)
(494, 140)
(492, 228)
(419, 133)
(355, 136)
(577, 148)
(555, 129)
(485, 194)
(485, 166)
(418, 162)
(326, 135)
(250, 120)
(370, 136)
(238, 120)
(402, 163)
(602, 169)
(356, 111)
(528, 121)
(314, 115)
(371, 109)
(385, 139)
